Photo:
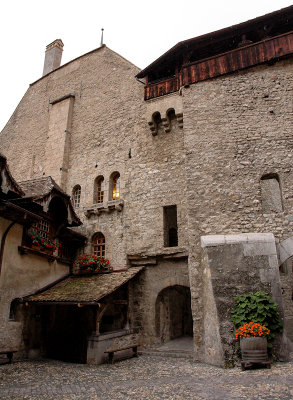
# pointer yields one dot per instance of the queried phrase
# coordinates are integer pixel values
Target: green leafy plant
(259, 308)
(91, 263)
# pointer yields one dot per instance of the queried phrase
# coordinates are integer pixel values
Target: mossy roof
(84, 289)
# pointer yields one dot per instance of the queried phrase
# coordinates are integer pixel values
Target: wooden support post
(100, 316)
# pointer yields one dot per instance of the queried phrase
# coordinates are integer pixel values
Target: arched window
(116, 186)
(76, 196)
(99, 189)
(98, 244)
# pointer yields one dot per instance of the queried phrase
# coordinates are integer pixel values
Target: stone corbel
(166, 124)
(89, 213)
(119, 207)
(179, 118)
(153, 128)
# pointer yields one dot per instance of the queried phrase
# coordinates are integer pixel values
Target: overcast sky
(138, 30)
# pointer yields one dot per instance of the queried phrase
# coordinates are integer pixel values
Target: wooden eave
(17, 214)
(262, 26)
(266, 51)
(42, 191)
(87, 290)
(8, 185)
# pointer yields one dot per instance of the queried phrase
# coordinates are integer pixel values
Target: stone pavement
(143, 378)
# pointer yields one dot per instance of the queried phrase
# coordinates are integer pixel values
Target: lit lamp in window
(116, 187)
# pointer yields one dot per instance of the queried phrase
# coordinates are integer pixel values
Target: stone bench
(112, 351)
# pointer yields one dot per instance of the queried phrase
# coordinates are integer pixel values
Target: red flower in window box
(91, 263)
(43, 243)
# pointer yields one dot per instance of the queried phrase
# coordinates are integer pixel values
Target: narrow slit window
(170, 226)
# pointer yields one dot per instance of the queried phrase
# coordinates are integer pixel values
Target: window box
(50, 257)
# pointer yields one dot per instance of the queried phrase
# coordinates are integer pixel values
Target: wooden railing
(161, 88)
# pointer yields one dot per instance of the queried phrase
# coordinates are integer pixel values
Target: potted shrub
(257, 321)
(90, 263)
(253, 343)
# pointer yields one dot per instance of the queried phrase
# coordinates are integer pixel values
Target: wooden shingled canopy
(87, 290)
(42, 191)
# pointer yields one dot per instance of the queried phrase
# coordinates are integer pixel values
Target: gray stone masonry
(235, 130)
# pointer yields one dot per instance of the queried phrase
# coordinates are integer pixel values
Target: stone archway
(173, 313)
(285, 250)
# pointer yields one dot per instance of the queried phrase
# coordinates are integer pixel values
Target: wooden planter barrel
(254, 350)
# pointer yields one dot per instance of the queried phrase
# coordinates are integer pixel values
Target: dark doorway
(64, 331)
(173, 313)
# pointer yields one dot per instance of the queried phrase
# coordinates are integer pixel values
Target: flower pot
(254, 350)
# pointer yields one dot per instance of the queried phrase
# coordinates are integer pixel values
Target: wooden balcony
(161, 88)
(266, 51)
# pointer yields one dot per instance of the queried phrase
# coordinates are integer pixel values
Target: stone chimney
(53, 56)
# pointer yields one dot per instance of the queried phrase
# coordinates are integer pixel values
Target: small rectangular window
(170, 226)
(42, 228)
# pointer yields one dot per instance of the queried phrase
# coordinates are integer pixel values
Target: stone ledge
(168, 253)
(218, 240)
(113, 334)
(99, 208)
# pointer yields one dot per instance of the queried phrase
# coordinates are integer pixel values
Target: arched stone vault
(285, 250)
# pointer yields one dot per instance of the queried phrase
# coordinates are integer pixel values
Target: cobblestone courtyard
(146, 377)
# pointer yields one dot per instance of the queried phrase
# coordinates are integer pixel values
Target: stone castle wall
(236, 129)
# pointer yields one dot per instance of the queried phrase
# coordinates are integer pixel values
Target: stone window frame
(76, 195)
(99, 244)
(99, 189)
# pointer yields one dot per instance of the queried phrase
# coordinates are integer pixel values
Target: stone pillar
(233, 265)
(53, 56)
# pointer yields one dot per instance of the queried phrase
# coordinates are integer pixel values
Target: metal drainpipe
(3, 242)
